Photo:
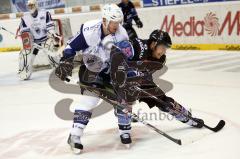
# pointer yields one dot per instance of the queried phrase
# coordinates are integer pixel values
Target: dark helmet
(161, 37)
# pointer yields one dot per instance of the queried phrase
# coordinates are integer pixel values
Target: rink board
(211, 26)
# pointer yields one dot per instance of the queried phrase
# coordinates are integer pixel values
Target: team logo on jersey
(126, 48)
(92, 27)
(143, 48)
(37, 30)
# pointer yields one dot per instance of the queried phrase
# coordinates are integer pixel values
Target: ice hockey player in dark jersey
(130, 14)
(154, 49)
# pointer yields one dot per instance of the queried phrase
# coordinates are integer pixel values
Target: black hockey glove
(64, 69)
(139, 23)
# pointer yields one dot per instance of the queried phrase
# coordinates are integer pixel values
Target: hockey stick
(35, 44)
(1, 27)
(133, 115)
(217, 128)
(47, 52)
(122, 107)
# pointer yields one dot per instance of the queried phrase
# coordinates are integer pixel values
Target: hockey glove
(57, 38)
(139, 23)
(64, 69)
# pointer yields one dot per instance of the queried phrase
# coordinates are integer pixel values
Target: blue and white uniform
(93, 44)
(38, 25)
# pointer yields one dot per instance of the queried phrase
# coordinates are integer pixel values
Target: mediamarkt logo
(209, 24)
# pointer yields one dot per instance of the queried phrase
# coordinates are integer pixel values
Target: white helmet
(32, 2)
(111, 12)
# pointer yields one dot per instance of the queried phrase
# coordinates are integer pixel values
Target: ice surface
(208, 82)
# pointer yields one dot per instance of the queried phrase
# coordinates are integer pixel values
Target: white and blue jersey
(93, 44)
(37, 25)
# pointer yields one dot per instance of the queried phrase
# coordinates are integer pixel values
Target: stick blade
(179, 142)
(220, 125)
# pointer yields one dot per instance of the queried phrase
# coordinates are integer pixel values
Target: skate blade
(76, 151)
(128, 146)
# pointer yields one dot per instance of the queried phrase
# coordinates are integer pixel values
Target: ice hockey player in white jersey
(38, 33)
(93, 37)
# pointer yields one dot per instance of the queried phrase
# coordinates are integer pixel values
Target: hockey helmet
(32, 5)
(160, 37)
(111, 12)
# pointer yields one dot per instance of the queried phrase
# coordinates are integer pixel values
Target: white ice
(208, 82)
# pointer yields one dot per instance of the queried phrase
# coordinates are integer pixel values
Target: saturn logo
(211, 24)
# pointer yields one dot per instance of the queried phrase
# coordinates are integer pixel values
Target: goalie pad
(26, 57)
(27, 40)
